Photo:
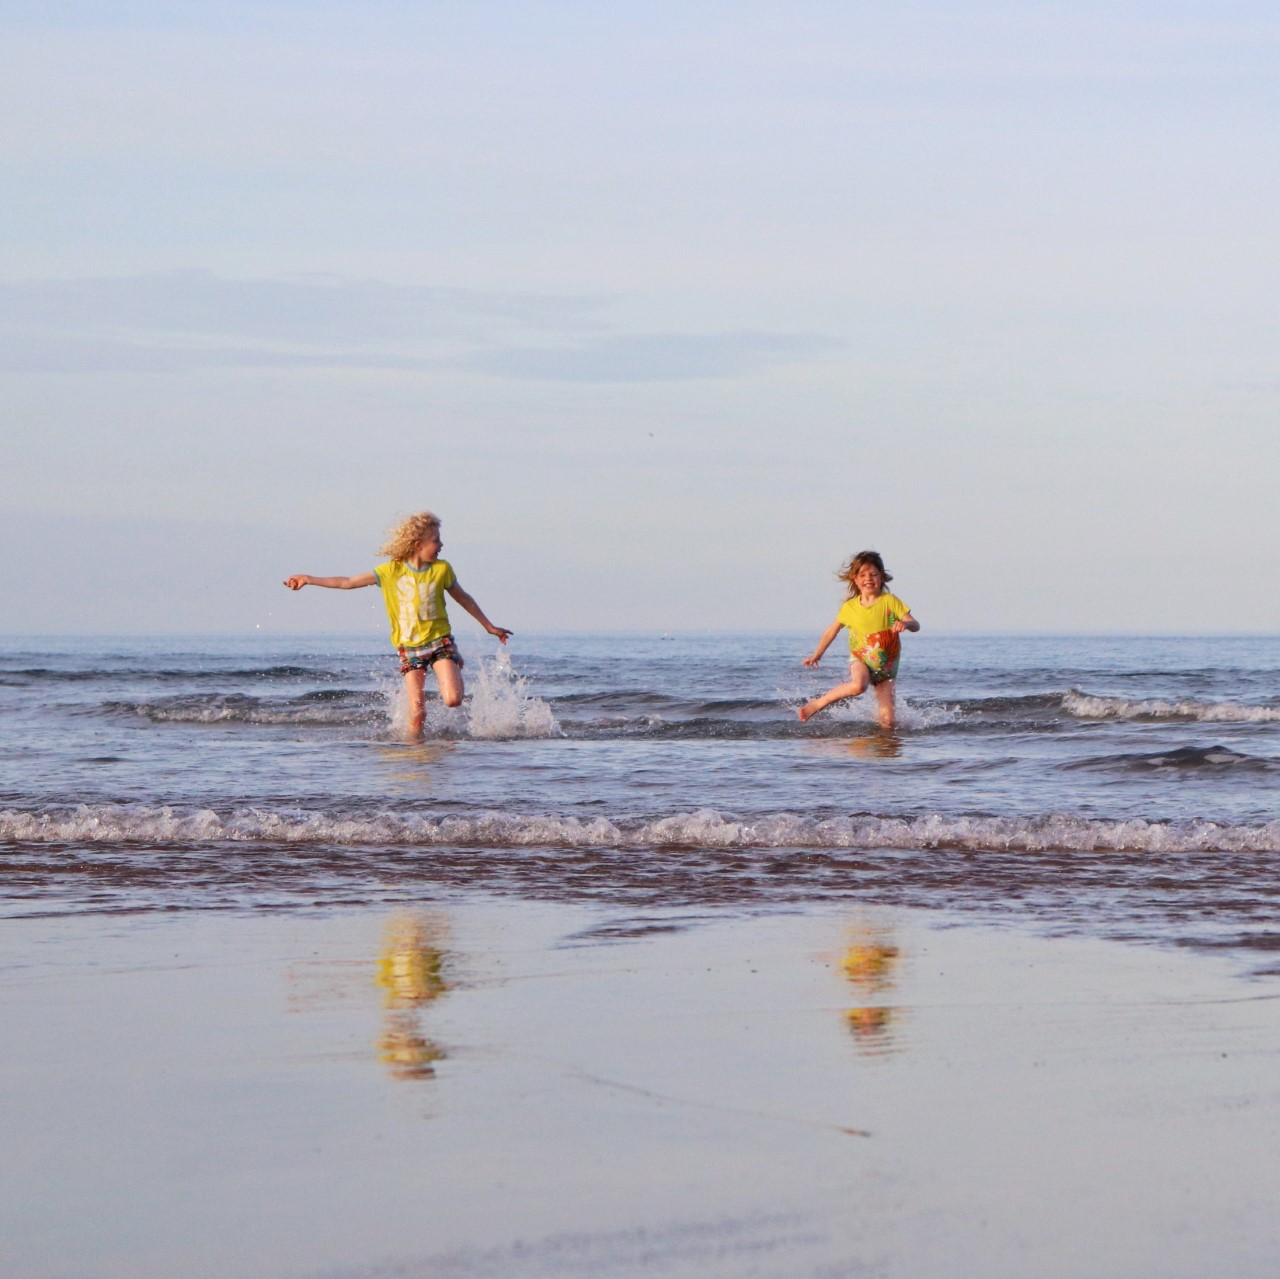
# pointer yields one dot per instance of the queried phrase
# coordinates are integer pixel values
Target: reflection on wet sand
(411, 972)
(870, 965)
(410, 763)
(880, 744)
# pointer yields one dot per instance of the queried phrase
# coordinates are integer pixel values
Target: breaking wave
(1087, 707)
(500, 706)
(174, 826)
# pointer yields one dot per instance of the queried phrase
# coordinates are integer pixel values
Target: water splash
(864, 711)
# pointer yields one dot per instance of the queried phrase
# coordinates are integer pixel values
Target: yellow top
(862, 621)
(415, 601)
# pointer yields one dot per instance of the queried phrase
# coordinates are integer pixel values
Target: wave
(1016, 703)
(329, 707)
(706, 828)
(1085, 706)
(147, 674)
(1193, 757)
(500, 706)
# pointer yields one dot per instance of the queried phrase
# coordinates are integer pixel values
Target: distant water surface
(1118, 786)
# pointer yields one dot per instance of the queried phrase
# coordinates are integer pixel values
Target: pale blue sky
(665, 309)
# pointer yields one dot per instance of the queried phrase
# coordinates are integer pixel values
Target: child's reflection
(884, 744)
(869, 964)
(411, 972)
(411, 765)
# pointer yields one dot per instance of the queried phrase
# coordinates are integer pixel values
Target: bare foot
(804, 714)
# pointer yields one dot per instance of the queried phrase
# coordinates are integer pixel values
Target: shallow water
(1120, 787)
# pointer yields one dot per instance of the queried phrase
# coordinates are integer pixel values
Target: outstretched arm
(907, 623)
(824, 643)
(467, 602)
(299, 580)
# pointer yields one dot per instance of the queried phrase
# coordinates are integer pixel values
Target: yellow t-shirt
(862, 622)
(415, 601)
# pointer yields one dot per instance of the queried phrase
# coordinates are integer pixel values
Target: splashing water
(499, 705)
(502, 706)
(864, 710)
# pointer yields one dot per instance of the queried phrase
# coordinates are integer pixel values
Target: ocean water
(1121, 787)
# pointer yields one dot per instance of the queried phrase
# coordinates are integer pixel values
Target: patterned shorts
(422, 659)
(880, 654)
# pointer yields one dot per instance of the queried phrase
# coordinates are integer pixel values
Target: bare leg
(884, 695)
(413, 693)
(860, 677)
(449, 678)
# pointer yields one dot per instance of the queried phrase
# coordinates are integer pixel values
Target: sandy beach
(484, 1087)
(464, 466)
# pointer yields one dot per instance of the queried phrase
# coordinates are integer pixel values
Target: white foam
(1087, 707)
(705, 828)
(215, 712)
(499, 706)
(502, 706)
(866, 710)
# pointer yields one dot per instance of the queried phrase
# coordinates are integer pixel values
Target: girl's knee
(885, 698)
(449, 682)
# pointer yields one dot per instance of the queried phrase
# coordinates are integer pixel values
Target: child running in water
(875, 620)
(413, 583)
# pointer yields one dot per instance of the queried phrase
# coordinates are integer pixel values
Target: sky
(664, 309)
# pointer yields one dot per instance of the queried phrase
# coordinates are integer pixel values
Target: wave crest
(329, 708)
(1086, 706)
(706, 828)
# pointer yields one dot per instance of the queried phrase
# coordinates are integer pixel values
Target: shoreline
(485, 1086)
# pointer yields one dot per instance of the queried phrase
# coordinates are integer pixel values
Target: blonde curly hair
(402, 539)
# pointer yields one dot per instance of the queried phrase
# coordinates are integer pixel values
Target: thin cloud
(311, 310)
(74, 354)
(654, 357)
(187, 320)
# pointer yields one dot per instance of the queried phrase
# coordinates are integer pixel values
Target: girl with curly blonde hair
(414, 581)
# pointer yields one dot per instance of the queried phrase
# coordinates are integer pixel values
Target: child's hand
(812, 660)
(898, 627)
(501, 634)
(297, 581)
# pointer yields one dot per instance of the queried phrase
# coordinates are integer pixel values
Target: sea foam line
(1088, 707)
(706, 828)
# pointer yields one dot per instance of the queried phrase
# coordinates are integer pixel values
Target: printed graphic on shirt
(415, 601)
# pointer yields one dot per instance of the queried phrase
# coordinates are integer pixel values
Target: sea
(1120, 787)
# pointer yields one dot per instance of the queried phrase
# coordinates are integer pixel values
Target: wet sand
(503, 1088)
